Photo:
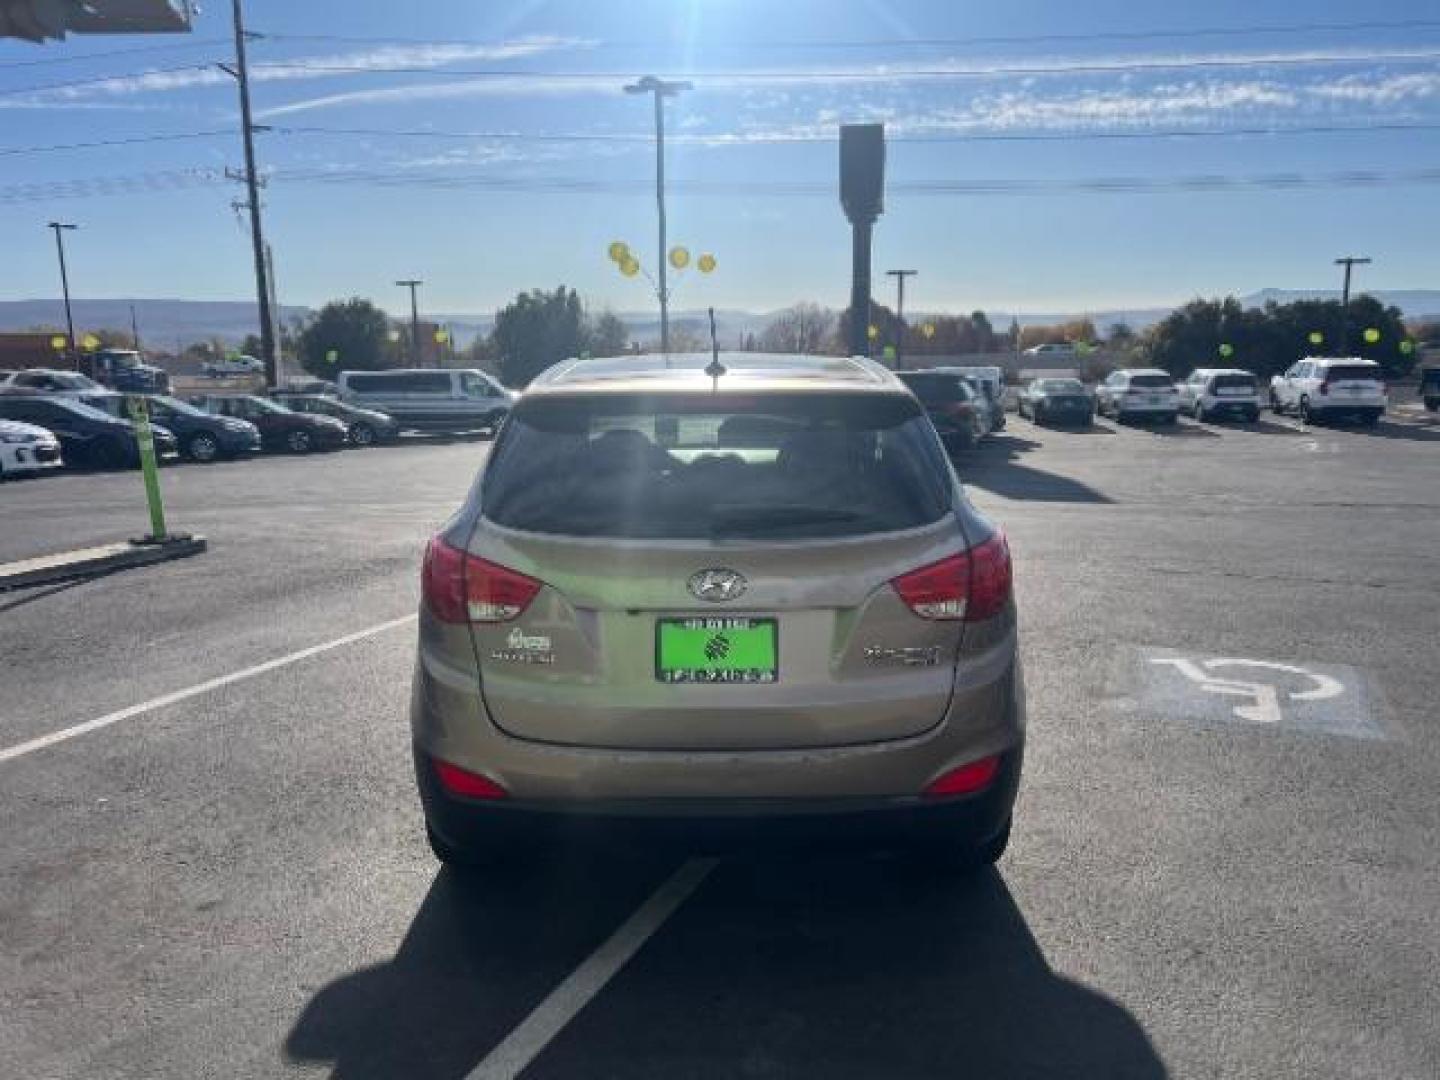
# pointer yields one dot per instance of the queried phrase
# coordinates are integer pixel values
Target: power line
(1217, 63)
(194, 43)
(135, 140)
(919, 42)
(744, 140)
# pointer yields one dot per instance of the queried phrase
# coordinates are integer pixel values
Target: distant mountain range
(164, 323)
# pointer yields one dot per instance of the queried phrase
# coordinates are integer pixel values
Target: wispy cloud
(337, 65)
(1225, 81)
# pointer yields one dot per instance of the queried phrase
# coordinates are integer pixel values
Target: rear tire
(1200, 413)
(1304, 411)
(298, 442)
(1370, 419)
(362, 435)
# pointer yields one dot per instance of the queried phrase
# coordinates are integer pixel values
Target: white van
(430, 399)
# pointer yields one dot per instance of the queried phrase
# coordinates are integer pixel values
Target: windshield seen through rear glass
(771, 466)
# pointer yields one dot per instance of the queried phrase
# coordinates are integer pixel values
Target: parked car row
(1314, 389)
(60, 417)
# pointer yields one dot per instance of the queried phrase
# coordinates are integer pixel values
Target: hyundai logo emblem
(717, 586)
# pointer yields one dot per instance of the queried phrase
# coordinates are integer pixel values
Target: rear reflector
(973, 585)
(458, 781)
(458, 587)
(967, 779)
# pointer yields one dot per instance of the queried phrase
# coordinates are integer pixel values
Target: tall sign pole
(862, 192)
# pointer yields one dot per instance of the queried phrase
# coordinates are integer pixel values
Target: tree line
(541, 327)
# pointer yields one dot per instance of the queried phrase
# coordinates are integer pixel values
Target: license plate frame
(749, 655)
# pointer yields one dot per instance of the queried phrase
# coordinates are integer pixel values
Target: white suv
(1217, 393)
(1136, 393)
(1330, 387)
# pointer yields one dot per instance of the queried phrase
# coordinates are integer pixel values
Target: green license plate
(716, 649)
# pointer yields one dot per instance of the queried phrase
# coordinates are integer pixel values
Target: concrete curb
(48, 569)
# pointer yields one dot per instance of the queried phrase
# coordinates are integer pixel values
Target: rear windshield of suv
(683, 466)
(1347, 372)
(938, 389)
(1234, 382)
(1151, 380)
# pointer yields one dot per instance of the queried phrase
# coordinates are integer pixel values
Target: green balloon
(1227, 350)
(1316, 338)
(1407, 347)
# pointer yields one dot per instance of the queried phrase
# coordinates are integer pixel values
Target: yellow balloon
(872, 333)
(442, 336)
(629, 266)
(619, 251)
(679, 258)
(705, 263)
(928, 330)
(1372, 336)
(58, 341)
(90, 341)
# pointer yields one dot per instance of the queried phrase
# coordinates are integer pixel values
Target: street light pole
(412, 284)
(661, 90)
(1349, 261)
(59, 227)
(900, 276)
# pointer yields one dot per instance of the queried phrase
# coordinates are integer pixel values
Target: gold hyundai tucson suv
(741, 591)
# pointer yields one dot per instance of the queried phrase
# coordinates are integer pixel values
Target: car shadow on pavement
(837, 967)
(1268, 427)
(478, 956)
(1015, 481)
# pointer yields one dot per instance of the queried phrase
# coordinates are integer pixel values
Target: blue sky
(352, 204)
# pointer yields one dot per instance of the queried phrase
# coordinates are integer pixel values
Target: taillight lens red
(973, 585)
(466, 784)
(967, 779)
(459, 587)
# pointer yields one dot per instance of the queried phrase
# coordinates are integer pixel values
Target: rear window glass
(1062, 386)
(1234, 382)
(938, 389)
(772, 466)
(1151, 380)
(1351, 371)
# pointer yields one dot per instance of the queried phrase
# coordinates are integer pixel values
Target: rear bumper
(29, 457)
(845, 791)
(965, 820)
(1231, 406)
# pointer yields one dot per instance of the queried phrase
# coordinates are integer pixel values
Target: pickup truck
(232, 365)
(125, 370)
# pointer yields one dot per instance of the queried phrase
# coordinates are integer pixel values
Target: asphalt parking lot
(1226, 858)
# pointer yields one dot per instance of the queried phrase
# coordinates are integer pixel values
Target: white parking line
(535, 1032)
(40, 743)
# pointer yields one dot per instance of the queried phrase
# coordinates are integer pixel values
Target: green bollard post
(146, 439)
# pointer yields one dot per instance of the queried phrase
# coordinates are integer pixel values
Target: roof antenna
(714, 369)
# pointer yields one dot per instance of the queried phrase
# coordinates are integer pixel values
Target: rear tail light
(973, 585)
(466, 784)
(967, 779)
(459, 587)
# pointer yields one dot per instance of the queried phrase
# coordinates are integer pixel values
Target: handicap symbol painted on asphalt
(1318, 697)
